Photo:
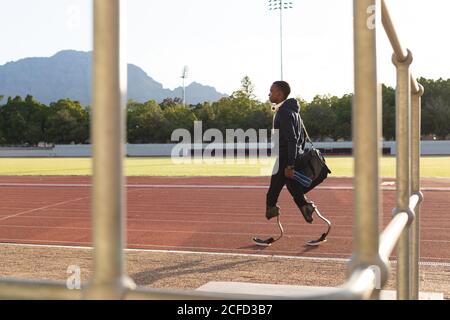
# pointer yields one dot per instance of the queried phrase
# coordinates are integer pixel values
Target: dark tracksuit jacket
(288, 122)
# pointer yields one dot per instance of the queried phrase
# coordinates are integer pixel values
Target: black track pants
(278, 181)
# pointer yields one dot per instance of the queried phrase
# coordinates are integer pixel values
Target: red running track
(206, 215)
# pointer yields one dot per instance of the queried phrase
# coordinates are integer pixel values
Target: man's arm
(287, 128)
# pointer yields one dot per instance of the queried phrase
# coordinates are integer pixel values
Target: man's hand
(289, 172)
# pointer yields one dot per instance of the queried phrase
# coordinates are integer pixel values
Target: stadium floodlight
(184, 75)
(280, 5)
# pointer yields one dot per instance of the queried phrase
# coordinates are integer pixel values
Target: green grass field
(340, 166)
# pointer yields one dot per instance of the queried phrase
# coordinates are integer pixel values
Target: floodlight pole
(281, 40)
(184, 94)
(280, 5)
(184, 76)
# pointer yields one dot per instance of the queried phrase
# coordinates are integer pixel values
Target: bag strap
(306, 134)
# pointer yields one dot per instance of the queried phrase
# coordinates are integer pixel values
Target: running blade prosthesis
(323, 237)
(268, 242)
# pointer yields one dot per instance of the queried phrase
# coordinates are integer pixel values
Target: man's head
(279, 91)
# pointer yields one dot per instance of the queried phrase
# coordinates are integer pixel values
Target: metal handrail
(390, 235)
(414, 201)
(415, 188)
(399, 50)
(408, 93)
(391, 33)
(21, 289)
(359, 286)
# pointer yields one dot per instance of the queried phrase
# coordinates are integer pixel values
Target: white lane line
(69, 185)
(199, 232)
(184, 222)
(175, 251)
(189, 232)
(41, 208)
(246, 255)
(191, 186)
(182, 248)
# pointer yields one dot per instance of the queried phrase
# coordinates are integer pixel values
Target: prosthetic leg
(323, 237)
(306, 183)
(269, 241)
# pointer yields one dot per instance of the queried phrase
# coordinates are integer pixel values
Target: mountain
(67, 74)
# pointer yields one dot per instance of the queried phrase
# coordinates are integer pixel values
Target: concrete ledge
(290, 290)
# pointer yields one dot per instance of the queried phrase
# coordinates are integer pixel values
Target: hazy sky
(223, 40)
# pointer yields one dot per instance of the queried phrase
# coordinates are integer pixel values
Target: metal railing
(369, 267)
(409, 196)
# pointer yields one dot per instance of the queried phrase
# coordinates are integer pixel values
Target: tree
(246, 90)
(178, 117)
(260, 117)
(319, 118)
(342, 108)
(145, 122)
(2, 138)
(436, 107)
(27, 122)
(207, 113)
(67, 122)
(169, 102)
(22, 121)
(438, 114)
(388, 105)
(242, 110)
